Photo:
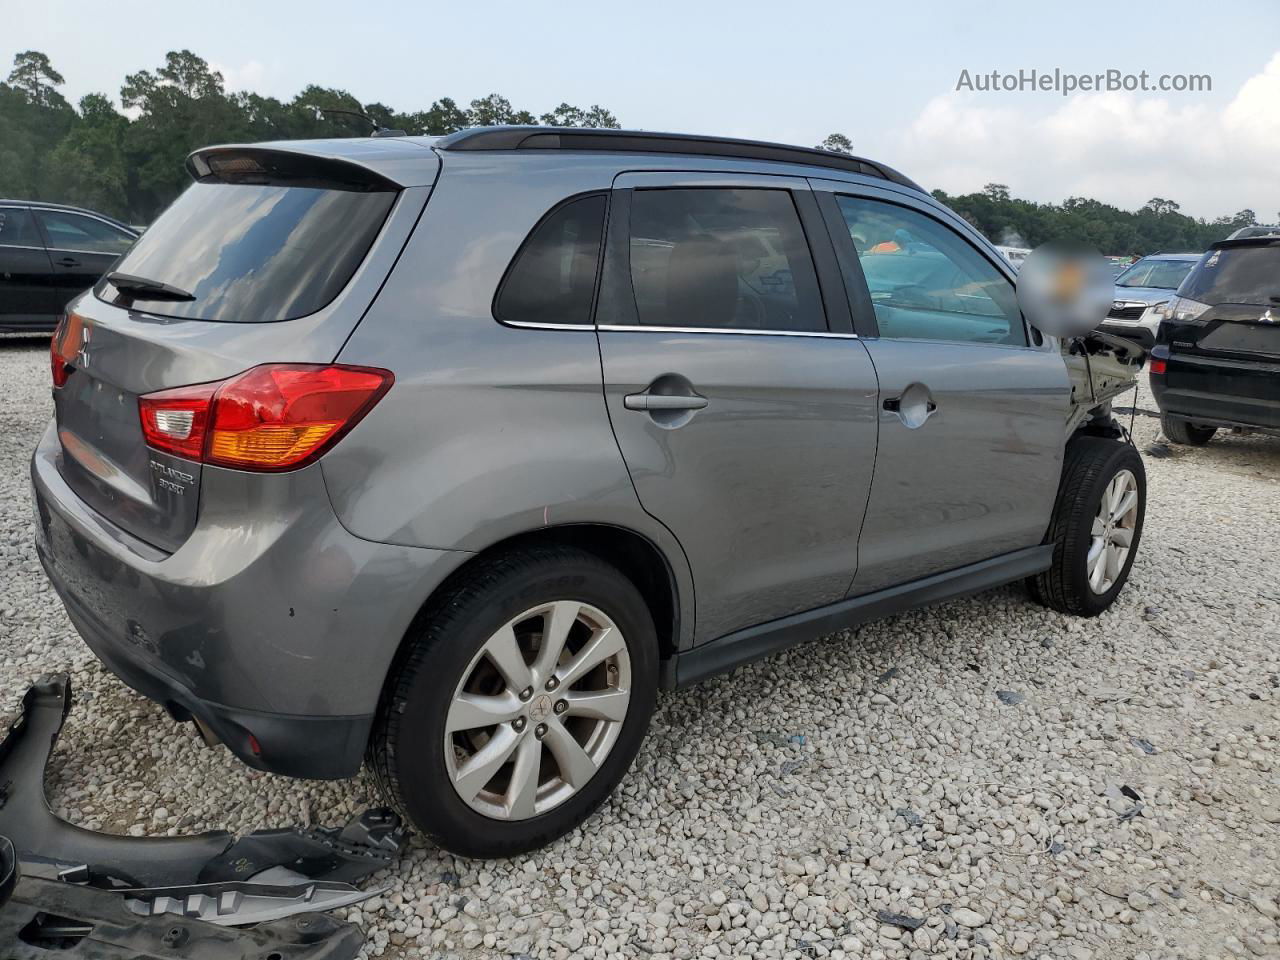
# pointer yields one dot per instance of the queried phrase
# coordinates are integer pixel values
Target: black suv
(1216, 362)
(48, 254)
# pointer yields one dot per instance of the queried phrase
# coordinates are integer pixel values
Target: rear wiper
(143, 289)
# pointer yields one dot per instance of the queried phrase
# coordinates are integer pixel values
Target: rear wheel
(1096, 526)
(519, 704)
(1186, 432)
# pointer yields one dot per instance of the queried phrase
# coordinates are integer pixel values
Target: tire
(1090, 466)
(448, 648)
(1185, 432)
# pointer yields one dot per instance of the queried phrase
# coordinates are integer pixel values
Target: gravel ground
(1021, 782)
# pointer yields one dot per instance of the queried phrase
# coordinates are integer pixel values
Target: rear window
(1236, 275)
(256, 253)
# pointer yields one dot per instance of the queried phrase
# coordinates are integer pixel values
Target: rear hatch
(273, 254)
(1223, 328)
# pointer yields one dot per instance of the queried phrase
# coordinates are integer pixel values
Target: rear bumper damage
(170, 896)
(275, 634)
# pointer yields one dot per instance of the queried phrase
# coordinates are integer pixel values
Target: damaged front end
(1101, 367)
(170, 896)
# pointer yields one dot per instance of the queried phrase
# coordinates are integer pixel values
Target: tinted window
(1236, 275)
(17, 228)
(722, 258)
(554, 275)
(253, 253)
(70, 231)
(926, 281)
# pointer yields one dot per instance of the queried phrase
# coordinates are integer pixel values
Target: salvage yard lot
(1020, 781)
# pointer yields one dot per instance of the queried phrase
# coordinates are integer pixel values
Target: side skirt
(743, 646)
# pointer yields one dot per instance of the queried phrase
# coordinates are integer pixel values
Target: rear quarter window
(257, 253)
(1248, 274)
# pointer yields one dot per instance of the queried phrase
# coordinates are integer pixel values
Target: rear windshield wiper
(141, 288)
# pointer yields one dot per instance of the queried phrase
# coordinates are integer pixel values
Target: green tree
(495, 110)
(837, 143)
(34, 75)
(88, 165)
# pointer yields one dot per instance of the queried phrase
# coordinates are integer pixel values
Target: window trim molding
(515, 258)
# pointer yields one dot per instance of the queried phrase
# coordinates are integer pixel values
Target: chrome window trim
(19, 246)
(641, 328)
(87, 253)
(538, 325)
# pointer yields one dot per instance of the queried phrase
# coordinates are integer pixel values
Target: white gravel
(962, 766)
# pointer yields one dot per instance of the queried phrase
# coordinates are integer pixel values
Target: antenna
(377, 131)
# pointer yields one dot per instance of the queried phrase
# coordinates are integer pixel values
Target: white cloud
(1122, 148)
(248, 76)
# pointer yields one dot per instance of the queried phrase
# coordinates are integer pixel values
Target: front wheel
(520, 703)
(1096, 526)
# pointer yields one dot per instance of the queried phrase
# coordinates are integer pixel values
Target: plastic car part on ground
(126, 891)
(42, 917)
(368, 843)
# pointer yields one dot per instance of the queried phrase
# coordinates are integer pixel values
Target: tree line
(130, 164)
(127, 161)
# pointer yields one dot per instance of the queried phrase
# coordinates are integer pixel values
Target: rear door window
(721, 258)
(80, 234)
(18, 229)
(257, 253)
(1246, 274)
(553, 277)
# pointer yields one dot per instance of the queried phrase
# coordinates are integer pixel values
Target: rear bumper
(271, 625)
(1221, 393)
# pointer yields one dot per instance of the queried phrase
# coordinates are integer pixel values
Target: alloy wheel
(1113, 529)
(537, 710)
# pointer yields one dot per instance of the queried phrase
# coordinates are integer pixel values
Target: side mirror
(1065, 290)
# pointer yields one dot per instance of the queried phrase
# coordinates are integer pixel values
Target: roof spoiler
(278, 167)
(637, 141)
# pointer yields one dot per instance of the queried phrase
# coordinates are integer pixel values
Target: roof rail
(640, 141)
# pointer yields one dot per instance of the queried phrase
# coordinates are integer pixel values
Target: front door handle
(660, 401)
(68, 262)
(913, 407)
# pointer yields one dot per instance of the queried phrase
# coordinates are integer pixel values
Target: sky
(884, 74)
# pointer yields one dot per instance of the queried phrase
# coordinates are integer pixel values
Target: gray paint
(290, 594)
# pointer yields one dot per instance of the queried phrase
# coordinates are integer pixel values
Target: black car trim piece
(636, 141)
(368, 843)
(743, 646)
(42, 917)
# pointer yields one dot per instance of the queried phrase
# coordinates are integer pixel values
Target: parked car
(1259, 230)
(1141, 293)
(48, 254)
(1216, 362)
(1015, 255)
(452, 452)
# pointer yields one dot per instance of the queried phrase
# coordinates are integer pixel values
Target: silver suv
(449, 453)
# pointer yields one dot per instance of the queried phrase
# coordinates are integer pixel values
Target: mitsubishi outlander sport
(450, 453)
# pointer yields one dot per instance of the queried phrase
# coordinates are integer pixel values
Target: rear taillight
(1158, 365)
(274, 417)
(68, 338)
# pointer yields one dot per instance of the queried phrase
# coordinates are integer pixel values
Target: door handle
(913, 407)
(68, 262)
(659, 401)
(894, 405)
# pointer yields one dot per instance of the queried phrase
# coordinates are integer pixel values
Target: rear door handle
(68, 262)
(659, 401)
